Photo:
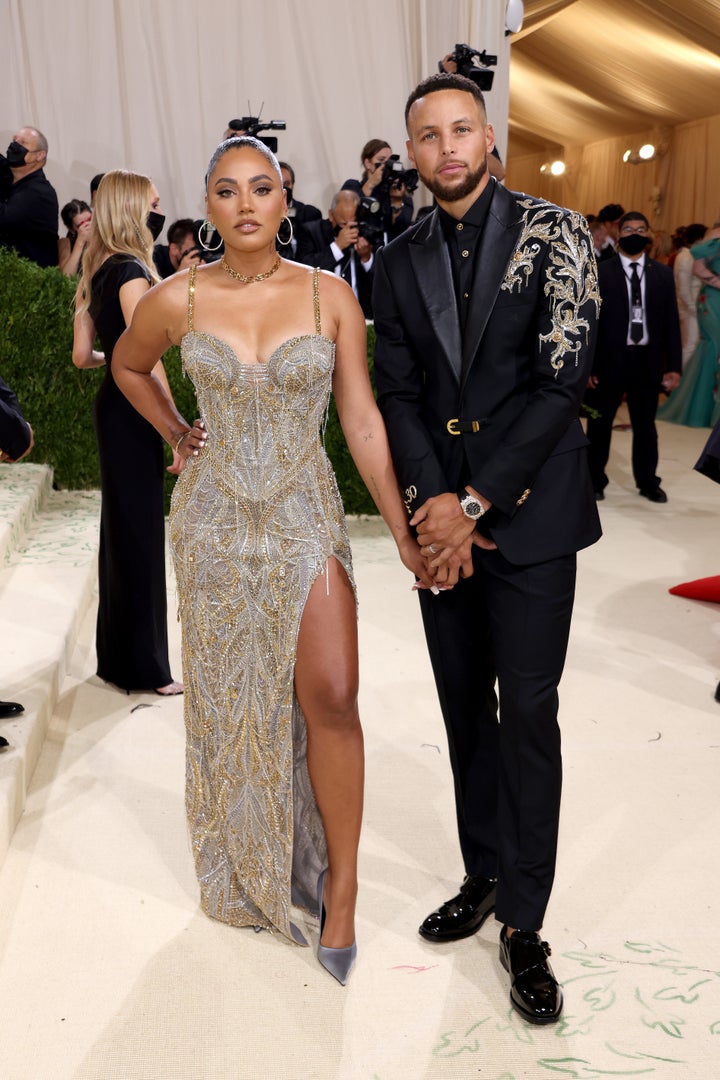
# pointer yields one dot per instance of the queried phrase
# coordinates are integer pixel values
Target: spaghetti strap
(191, 299)
(316, 299)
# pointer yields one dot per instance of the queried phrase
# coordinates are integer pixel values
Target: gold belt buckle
(453, 429)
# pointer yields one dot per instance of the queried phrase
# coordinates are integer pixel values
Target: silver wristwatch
(470, 506)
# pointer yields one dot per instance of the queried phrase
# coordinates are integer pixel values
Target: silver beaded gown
(254, 519)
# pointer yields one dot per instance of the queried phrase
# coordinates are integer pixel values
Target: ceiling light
(627, 155)
(647, 151)
(557, 168)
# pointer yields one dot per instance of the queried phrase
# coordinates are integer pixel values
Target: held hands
(189, 444)
(670, 381)
(446, 537)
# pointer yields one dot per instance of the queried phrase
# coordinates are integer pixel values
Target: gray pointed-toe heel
(338, 962)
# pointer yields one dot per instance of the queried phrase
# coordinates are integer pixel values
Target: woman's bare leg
(326, 684)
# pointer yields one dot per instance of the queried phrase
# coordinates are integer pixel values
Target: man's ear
(490, 137)
(409, 148)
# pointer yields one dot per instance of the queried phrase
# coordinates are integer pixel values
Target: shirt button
(459, 227)
(466, 295)
(465, 253)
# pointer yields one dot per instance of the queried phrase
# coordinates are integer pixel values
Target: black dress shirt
(463, 240)
(29, 219)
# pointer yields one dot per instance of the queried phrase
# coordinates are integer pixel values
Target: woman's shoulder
(120, 267)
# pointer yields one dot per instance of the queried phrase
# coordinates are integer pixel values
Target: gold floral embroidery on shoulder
(562, 239)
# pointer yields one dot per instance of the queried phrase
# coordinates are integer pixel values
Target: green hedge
(36, 334)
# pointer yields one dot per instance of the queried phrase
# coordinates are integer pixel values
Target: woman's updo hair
(241, 142)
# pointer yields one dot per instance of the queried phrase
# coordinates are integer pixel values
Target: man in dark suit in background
(639, 352)
(16, 440)
(335, 244)
(485, 315)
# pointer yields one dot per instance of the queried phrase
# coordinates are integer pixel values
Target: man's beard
(455, 192)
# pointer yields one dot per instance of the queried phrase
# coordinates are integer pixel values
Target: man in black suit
(16, 440)
(334, 243)
(28, 203)
(639, 352)
(485, 315)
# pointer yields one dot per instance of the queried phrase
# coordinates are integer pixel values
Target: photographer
(384, 179)
(180, 251)
(336, 243)
(28, 203)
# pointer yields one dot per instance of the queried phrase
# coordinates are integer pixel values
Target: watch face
(472, 508)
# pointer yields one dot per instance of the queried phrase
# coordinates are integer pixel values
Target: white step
(46, 583)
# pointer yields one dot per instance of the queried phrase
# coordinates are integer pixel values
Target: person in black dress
(131, 640)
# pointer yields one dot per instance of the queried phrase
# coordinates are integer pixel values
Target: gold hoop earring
(211, 229)
(286, 243)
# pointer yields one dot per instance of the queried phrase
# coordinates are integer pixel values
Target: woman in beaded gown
(267, 603)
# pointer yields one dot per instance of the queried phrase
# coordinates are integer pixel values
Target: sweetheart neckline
(255, 363)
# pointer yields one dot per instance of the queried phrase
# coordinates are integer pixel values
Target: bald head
(345, 203)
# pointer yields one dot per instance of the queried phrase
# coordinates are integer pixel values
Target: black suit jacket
(664, 350)
(14, 430)
(314, 249)
(520, 372)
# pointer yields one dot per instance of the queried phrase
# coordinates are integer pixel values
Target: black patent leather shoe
(656, 495)
(10, 708)
(463, 915)
(534, 990)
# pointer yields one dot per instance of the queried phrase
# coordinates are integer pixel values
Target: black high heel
(338, 962)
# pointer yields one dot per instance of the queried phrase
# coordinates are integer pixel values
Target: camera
(370, 220)
(465, 59)
(394, 176)
(251, 125)
(212, 237)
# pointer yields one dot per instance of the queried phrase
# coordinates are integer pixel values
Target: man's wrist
(472, 504)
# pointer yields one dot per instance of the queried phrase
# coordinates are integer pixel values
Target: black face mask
(15, 155)
(155, 222)
(633, 245)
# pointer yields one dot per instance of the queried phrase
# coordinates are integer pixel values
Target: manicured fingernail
(434, 589)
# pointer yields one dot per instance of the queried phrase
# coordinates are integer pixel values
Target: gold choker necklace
(243, 278)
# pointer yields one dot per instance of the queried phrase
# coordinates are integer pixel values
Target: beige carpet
(108, 970)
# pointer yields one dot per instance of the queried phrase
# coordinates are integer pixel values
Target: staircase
(48, 574)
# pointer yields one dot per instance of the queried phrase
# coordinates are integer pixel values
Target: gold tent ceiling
(586, 70)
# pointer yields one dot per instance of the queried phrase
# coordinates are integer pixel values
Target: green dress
(696, 402)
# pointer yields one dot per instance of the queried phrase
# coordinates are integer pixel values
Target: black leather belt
(463, 427)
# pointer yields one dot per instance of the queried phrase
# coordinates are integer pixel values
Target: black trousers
(642, 387)
(510, 624)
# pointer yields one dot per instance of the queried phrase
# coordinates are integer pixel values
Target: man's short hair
(284, 165)
(345, 195)
(95, 182)
(179, 230)
(445, 81)
(611, 212)
(42, 141)
(633, 215)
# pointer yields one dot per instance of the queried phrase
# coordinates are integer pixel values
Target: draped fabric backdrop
(150, 86)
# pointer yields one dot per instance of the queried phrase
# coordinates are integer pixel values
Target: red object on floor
(705, 588)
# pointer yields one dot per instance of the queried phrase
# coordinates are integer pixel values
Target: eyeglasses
(627, 230)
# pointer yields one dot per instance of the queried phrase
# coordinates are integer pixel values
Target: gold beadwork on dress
(557, 244)
(254, 519)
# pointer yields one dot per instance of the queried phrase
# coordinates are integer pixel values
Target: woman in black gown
(132, 648)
